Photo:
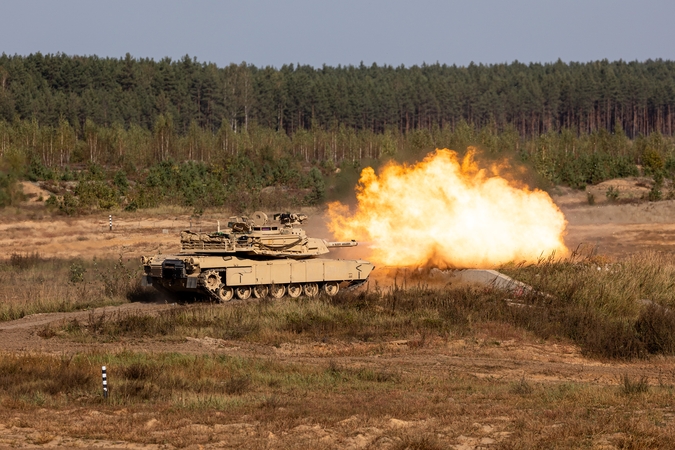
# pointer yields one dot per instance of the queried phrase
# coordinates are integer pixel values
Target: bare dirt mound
(33, 192)
(622, 226)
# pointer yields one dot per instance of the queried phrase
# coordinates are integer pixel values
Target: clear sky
(314, 32)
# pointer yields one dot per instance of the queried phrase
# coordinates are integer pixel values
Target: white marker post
(110, 221)
(105, 383)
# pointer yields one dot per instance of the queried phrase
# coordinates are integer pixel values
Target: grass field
(618, 310)
(30, 284)
(581, 360)
(190, 400)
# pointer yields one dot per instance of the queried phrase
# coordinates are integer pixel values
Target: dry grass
(186, 400)
(368, 316)
(341, 400)
(631, 387)
(615, 309)
(174, 379)
(32, 284)
(616, 288)
(597, 309)
(622, 309)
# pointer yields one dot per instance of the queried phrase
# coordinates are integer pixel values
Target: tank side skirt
(294, 271)
(235, 272)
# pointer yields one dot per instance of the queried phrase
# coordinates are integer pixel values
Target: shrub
(612, 194)
(97, 194)
(318, 187)
(68, 204)
(652, 161)
(237, 385)
(10, 190)
(655, 193)
(121, 182)
(630, 387)
(656, 328)
(37, 171)
(139, 371)
(25, 261)
(522, 387)
(77, 271)
(118, 280)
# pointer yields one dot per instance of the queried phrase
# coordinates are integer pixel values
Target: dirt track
(23, 335)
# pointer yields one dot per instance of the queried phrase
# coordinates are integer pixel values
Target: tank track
(212, 292)
(354, 285)
(204, 285)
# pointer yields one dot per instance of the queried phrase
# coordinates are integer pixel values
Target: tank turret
(281, 237)
(254, 256)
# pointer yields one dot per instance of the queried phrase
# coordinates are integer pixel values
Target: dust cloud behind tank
(254, 256)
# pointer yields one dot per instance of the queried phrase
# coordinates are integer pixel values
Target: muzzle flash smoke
(449, 214)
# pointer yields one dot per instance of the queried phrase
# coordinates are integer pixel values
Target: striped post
(110, 221)
(105, 383)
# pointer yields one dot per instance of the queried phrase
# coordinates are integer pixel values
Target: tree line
(325, 161)
(135, 133)
(184, 95)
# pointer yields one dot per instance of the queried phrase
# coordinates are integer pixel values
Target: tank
(254, 256)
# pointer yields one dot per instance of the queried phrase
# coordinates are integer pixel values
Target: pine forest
(134, 133)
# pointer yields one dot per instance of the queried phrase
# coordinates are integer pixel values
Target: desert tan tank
(254, 257)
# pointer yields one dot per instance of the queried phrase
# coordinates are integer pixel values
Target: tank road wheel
(277, 290)
(225, 293)
(211, 280)
(331, 288)
(243, 292)
(260, 291)
(311, 289)
(294, 290)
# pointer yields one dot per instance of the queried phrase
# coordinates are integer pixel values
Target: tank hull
(222, 278)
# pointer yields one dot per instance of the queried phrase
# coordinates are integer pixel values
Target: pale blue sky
(268, 32)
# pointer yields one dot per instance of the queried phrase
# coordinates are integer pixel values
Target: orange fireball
(450, 214)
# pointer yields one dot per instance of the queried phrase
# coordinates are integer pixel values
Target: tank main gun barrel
(351, 243)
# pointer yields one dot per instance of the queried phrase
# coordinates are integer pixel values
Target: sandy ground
(617, 228)
(622, 227)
